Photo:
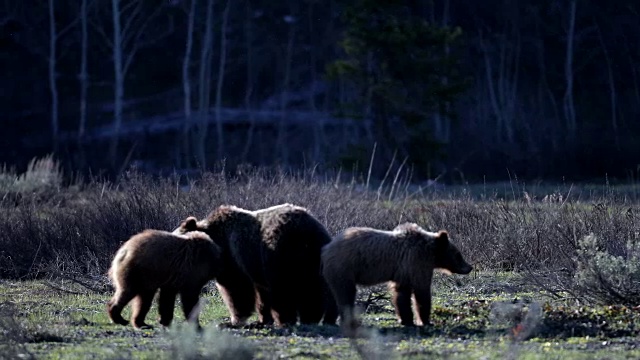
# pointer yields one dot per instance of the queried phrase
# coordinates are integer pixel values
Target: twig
(373, 154)
(52, 285)
(393, 159)
(395, 179)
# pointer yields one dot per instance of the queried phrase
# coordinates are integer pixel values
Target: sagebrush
(609, 276)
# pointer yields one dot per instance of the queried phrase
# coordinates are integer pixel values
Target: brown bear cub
(155, 259)
(270, 263)
(404, 257)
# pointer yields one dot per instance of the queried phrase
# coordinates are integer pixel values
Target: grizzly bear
(270, 263)
(404, 257)
(156, 259)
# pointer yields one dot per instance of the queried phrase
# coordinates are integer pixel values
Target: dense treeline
(470, 89)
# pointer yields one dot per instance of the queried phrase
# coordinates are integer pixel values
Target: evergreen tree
(404, 74)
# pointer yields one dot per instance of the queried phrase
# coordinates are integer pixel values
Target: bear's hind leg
(166, 305)
(114, 307)
(283, 306)
(311, 302)
(141, 309)
(401, 298)
(263, 306)
(422, 299)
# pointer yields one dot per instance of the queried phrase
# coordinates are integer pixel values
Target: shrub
(76, 230)
(608, 278)
(42, 175)
(82, 229)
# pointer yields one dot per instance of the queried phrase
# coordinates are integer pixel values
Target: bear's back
(290, 225)
(367, 256)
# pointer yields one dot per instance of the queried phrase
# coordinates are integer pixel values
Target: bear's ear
(442, 240)
(190, 224)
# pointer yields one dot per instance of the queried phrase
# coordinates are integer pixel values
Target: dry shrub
(42, 175)
(80, 227)
(607, 278)
(84, 227)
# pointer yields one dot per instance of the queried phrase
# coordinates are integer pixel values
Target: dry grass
(74, 231)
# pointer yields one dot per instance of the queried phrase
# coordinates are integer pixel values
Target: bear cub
(156, 259)
(405, 258)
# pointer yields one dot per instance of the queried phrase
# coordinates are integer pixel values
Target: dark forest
(466, 90)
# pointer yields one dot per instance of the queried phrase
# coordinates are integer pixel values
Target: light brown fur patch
(155, 259)
(405, 257)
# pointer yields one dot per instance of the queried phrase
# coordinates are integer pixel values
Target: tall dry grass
(77, 229)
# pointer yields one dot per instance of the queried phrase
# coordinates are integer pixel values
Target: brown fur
(271, 263)
(404, 257)
(155, 259)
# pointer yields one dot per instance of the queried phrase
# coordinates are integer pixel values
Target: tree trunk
(318, 125)
(507, 85)
(221, 71)
(612, 88)
(186, 86)
(552, 130)
(119, 82)
(204, 87)
(83, 77)
(442, 125)
(250, 82)
(368, 105)
(52, 75)
(282, 128)
(492, 91)
(569, 108)
(634, 73)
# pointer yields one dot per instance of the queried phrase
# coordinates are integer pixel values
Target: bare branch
(134, 33)
(126, 7)
(7, 14)
(131, 19)
(138, 43)
(106, 38)
(69, 26)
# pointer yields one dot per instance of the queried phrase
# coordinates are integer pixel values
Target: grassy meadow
(557, 267)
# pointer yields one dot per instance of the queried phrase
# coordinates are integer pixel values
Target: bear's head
(447, 255)
(190, 224)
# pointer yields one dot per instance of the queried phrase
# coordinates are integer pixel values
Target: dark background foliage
(542, 89)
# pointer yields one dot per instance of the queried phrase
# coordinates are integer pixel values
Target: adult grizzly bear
(404, 257)
(270, 263)
(155, 259)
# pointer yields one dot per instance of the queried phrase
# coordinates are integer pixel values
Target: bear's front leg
(330, 308)
(422, 299)
(310, 301)
(344, 294)
(349, 321)
(401, 298)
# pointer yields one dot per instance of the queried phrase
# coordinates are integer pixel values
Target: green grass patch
(481, 316)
